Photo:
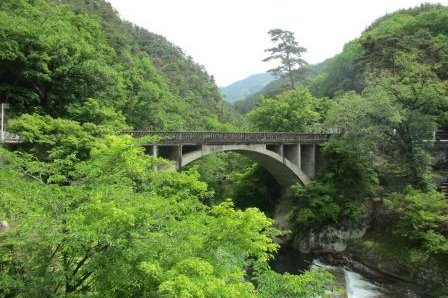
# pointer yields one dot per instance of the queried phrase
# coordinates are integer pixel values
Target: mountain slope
(55, 55)
(246, 87)
(271, 89)
(420, 33)
(187, 80)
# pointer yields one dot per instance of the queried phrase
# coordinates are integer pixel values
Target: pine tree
(288, 52)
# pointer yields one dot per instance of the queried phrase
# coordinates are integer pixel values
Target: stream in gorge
(372, 284)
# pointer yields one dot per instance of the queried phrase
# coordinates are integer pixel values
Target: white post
(2, 128)
(3, 125)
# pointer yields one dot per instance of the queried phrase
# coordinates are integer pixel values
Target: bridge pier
(276, 148)
(308, 158)
(292, 153)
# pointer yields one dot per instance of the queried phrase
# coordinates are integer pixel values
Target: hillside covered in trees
(57, 55)
(84, 212)
(420, 33)
(388, 92)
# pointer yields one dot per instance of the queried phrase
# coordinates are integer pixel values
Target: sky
(229, 37)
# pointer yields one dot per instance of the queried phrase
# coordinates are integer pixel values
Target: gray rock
(330, 238)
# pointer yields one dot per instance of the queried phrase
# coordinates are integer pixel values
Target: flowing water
(354, 284)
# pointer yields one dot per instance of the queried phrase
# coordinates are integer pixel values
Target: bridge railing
(8, 137)
(200, 137)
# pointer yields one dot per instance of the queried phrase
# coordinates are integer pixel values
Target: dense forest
(388, 92)
(57, 57)
(85, 212)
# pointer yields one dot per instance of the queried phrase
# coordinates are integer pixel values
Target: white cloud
(229, 37)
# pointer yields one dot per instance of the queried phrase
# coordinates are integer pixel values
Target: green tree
(122, 229)
(294, 111)
(274, 285)
(344, 72)
(394, 117)
(339, 193)
(288, 52)
(421, 217)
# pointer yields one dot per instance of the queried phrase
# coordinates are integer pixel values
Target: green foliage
(275, 285)
(277, 87)
(422, 216)
(57, 55)
(97, 235)
(106, 118)
(120, 228)
(338, 195)
(315, 206)
(272, 89)
(52, 146)
(418, 31)
(192, 90)
(349, 168)
(232, 176)
(293, 111)
(149, 103)
(215, 169)
(54, 138)
(253, 186)
(396, 76)
(393, 118)
(212, 123)
(51, 57)
(344, 72)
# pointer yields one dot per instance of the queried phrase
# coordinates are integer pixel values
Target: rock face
(329, 238)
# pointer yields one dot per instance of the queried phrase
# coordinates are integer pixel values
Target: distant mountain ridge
(246, 87)
(273, 88)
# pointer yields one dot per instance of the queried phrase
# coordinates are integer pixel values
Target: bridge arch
(289, 157)
(284, 171)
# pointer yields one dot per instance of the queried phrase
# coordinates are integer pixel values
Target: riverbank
(377, 281)
(379, 255)
(396, 257)
(354, 279)
(370, 246)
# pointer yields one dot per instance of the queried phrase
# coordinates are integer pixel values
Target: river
(355, 284)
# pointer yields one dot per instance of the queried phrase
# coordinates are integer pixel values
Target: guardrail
(8, 137)
(441, 136)
(202, 137)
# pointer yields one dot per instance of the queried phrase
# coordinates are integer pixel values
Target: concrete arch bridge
(289, 157)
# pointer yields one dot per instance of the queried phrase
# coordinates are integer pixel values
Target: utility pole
(4, 106)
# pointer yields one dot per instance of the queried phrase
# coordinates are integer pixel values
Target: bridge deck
(202, 137)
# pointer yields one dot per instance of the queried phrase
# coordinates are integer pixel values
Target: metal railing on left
(9, 137)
